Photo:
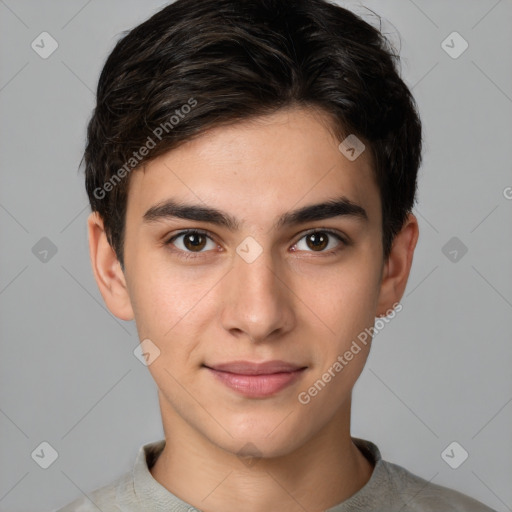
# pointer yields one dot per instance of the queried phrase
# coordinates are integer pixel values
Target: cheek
(164, 297)
(346, 304)
(173, 309)
(344, 298)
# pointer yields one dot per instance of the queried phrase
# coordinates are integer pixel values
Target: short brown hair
(197, 64)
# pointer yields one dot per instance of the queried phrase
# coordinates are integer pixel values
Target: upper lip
(252, 368)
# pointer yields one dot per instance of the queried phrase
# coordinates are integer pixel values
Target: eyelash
(192, 255)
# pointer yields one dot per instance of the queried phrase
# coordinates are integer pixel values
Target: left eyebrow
(329, 209)
(333, 208)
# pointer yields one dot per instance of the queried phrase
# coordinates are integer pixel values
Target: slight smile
(256, 380)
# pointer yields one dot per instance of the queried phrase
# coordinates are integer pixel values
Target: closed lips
(253, 368)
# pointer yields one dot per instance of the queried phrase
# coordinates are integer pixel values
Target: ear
(398, 265)
(107, 270)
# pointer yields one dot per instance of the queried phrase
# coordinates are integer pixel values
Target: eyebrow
(170, 209)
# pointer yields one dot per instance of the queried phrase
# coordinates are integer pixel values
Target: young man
(251, 168)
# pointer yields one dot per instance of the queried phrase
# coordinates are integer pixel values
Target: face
(229, 259)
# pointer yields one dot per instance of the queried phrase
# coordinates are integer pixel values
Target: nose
(258, 304)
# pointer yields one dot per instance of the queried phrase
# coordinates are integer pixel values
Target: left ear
(398, 265)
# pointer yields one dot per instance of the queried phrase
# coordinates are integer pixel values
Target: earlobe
(107, 270)
(398, 266)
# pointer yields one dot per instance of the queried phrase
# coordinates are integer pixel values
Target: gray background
(439, 372)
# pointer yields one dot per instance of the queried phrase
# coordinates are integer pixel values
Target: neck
(320, 474)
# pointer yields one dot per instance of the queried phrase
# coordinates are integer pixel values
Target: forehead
(258, 169)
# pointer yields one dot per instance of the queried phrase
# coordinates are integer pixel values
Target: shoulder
(420, 495)
(130, 491)
(107, 498)
(392, 487)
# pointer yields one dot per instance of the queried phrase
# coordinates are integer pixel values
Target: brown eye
(318, 241)
(192, 241)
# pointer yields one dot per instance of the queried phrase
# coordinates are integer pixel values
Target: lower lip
(257, 386)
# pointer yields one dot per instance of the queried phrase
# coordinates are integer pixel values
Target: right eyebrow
(172, 209)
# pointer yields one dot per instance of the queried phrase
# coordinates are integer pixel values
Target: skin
(295, 302)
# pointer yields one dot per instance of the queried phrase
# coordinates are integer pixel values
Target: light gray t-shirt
(391, 488)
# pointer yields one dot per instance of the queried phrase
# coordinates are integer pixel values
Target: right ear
(107, 270)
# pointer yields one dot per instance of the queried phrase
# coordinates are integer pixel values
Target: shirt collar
(152, 495)
(156, 498)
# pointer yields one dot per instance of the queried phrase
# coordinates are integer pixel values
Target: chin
(262, 441)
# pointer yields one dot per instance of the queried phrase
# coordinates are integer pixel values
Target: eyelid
(190, 231)
(188, 255)
(341, 237)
